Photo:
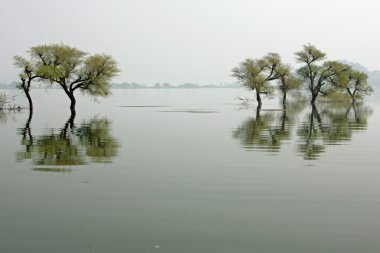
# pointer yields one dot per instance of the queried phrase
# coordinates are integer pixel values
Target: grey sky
(196, 41)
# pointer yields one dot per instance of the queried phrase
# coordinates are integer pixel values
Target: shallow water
(189, 170)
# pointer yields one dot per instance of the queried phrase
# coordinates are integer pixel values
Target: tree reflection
(268, 129)
(334, 125)
(91, 141)
(330, 124)
(95, 136)
(3, 117)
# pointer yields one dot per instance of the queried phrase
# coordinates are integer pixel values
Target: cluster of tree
(319, 76)
(69, 68)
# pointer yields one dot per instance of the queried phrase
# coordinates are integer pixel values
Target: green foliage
(73, 69)
(28, 71)
(98, 69)
(24, 65)
(309, 54)
(58, 62)
(291, 83)
(256, 74)
(318, 77)
(287, 82)
(354, 82)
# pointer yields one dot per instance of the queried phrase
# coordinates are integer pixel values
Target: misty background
(190, 41)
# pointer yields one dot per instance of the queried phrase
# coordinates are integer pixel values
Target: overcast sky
(196, 41)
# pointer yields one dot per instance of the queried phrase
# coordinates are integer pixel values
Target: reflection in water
(95, 136)
(3, 118)
(268, 129)
(331, 124)
(7, 115)
(334, 125)
(48, 169)
(69, 145)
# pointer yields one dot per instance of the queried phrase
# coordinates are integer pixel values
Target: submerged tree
(29, 72)
(72, 69)
(287, 82)
(355, 83)
(256, 74)
(317, 76)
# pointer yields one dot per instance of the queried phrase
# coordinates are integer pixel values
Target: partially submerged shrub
(7, 102)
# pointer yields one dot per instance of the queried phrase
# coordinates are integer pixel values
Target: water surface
(193, 170)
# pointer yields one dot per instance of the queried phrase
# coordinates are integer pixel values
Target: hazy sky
(197, 41)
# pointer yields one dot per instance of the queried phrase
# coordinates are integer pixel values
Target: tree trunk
(29, 99)
(72, 104)
(352, 95)
(258, 98)
(283, 121)
(257, 114)
(316, 114)
(26, 133)
(284, 100)
(313, 98)
(71, 121)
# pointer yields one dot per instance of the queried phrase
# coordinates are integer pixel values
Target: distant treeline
(133, 85)
(170, 86)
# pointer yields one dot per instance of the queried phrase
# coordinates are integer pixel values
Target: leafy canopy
(73, 69)
(256, 74)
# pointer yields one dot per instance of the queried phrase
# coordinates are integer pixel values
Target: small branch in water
(244, 101)
(7, 103)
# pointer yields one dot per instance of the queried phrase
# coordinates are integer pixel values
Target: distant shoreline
(238, 86)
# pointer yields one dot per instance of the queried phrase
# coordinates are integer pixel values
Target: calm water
(189, 171)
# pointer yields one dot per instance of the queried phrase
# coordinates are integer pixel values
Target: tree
(355, 83)
(29, 72)
(287, 81)
(74, 70)
(256, 74)
(317, 76)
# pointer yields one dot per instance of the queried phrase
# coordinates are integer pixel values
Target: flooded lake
(189, 170)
